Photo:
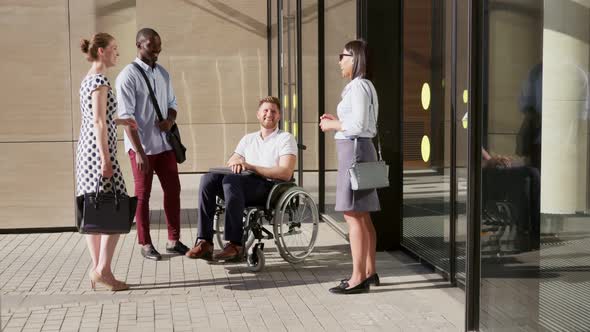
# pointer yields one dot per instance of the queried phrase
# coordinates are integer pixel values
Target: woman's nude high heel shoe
(114, 286)
(93, 276)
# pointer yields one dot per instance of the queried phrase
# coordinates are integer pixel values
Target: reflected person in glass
(355, 120)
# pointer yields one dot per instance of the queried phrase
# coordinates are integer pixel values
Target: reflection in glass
(426, 135)
(535, 239)
(461, 78)
(340, 28)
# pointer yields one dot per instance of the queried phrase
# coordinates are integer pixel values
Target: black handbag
(173, 135)
(105, 212)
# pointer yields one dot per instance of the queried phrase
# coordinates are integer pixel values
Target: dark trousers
(238, 191)
(164, 164)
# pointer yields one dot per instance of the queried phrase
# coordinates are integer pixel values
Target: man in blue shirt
(148, 147)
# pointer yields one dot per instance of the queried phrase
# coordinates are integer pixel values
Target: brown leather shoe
(203, 250)
(230, 252)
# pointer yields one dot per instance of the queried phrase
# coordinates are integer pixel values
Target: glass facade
(426, 131)
(535, 192)
(434, 132)
(533, 219)
(299, 111)
(460, 140)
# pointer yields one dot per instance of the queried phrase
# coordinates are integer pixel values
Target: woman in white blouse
(356, 120)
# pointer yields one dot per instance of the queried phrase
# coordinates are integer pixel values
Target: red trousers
(164, 164)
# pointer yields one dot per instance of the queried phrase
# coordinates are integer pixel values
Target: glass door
(426, 132)
(434, 140)
(459, 129)
(535, 192)
(289, 72)
(435, 114)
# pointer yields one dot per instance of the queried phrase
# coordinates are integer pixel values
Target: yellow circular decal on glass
(465, 96)
(425, 148)
(425, 97)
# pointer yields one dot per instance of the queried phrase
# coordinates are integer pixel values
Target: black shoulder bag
(173, 135)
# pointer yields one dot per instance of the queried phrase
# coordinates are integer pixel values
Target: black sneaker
(178, 248)
(151, 253)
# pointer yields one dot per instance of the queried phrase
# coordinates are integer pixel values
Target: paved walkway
(44, 287)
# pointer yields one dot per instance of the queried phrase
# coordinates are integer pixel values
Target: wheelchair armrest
(277, 190)
(279, 182)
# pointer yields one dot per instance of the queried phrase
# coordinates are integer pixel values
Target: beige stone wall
(340, 27)
(36, 147)
(216, 52)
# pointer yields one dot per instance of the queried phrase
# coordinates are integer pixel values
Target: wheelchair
(293, 216)
(497, 220)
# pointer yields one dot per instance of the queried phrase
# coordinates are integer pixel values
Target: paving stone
(47, 290)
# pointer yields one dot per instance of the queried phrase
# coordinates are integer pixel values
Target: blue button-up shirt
(134, 102)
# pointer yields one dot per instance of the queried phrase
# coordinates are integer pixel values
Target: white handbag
(370, 174)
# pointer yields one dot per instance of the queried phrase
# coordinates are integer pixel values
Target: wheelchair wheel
(218, 224)
(248, 237)
(295, 225)
(255, 259)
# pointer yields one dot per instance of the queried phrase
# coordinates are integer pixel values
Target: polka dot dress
(88, 161)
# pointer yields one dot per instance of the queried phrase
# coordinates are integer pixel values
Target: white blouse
(354, 110)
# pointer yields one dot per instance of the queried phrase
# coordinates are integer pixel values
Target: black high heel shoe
(363, 287)
(373, 280)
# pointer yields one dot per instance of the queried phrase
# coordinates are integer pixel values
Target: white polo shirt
(266, 152)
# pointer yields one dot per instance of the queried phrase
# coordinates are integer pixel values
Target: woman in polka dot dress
(97, 149)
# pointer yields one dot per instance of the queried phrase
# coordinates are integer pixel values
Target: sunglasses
(342, 55)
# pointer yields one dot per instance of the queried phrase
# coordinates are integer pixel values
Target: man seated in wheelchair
(270, 154)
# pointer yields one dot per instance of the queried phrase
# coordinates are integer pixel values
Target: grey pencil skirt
(346, 198)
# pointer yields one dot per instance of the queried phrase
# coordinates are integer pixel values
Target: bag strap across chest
(152, 94)
(371, 111)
